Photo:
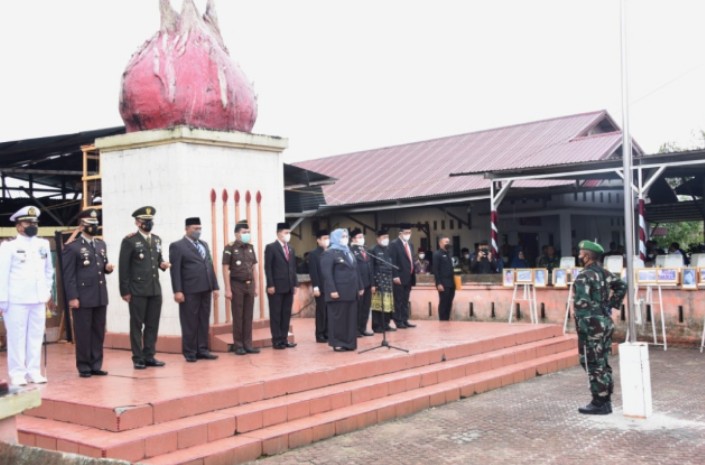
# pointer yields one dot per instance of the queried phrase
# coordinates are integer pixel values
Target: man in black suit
(85, 264)
(193, 280)
(366, 271)
(314, 267)
(282, 283)
(403, 276)
(442, 269)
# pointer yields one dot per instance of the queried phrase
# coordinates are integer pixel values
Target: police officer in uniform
(85, 264)
(26, 281)
(140, 261)
(442, 269)
(597, 292)
(240, 264)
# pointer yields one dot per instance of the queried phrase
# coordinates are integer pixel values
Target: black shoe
(368, 333)
(400, 325)
(409, 325)
(594, 409)
(191, 358)
(378, 331)
(153, 362)
(139, 365)
(251, 350)
(390, 329)
(359, 335)
(290, 345)
(321, 340)
(85, 374)
(99, 372)
(279, 347)
(340, 349)
(240, 351)
(207, 356)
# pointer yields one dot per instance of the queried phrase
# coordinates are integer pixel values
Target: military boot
(597, 407)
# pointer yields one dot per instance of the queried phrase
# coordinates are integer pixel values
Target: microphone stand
(384, 342)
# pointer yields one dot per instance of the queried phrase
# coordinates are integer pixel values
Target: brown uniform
(241, 258)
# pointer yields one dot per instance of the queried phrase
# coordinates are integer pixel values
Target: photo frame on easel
(689, 279)
(560, 277)
(647, 276)
(668, 276)
(524, 276)
(540, 277)
(508, 277)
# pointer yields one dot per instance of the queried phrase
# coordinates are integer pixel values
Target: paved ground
(536, 422)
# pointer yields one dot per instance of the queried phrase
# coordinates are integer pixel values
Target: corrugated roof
(422, 169)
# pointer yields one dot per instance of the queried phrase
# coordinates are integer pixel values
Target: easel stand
(702, 339)
(528, 295)
(649, 300)
(568, 306)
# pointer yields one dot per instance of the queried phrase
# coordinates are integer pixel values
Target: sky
(337, 77)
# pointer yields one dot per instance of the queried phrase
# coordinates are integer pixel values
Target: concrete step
(126, 417)
(279, 438)
(249, 418)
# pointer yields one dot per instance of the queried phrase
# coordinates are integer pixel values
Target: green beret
(592, 246)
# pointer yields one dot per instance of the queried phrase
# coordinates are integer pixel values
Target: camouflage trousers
(595, 347)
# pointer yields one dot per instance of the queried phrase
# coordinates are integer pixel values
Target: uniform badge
(237, 251)
(238, 263)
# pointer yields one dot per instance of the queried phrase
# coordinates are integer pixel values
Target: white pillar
(635, 377)
(174, 171)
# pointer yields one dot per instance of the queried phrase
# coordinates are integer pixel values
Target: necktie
(201, 250)
(286, 252)
(408, 254)
(364, 254)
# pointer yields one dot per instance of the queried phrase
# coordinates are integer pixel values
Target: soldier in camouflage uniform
(597, 292)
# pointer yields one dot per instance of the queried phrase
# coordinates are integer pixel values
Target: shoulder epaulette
(230, 244)
(130, 235)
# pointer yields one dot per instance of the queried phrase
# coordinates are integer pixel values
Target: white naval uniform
(26, 281)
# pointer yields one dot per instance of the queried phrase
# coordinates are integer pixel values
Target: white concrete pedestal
(635, 378)
(174, 171)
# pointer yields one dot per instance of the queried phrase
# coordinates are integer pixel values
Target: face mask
(361, 242)
(385, 242)
(286, 237)
(406, 237)
(344, 241)
(245, 238)
(421, 256)
(147, 226)
(31, 231)
(195, 235)
(467, 255)
(91, 229)
(446, 247)
(326, 243)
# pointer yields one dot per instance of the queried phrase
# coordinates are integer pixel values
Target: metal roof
(422, 169)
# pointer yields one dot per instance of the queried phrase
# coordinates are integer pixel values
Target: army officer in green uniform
(140, 259)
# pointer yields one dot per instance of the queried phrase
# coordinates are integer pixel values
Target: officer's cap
(242, 224)
(283, 226)
(322, 232)
(592, 246)
(28, 213)
(403, 226)
(144, 213)
(89, 215)
(193, 221)
(354, 232)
